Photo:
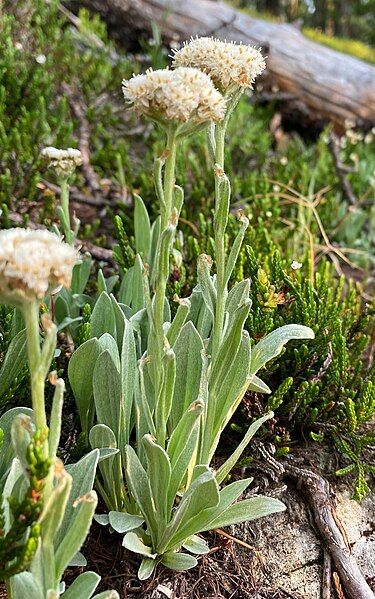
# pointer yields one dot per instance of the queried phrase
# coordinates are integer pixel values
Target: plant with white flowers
(57, 511)
(160, 391)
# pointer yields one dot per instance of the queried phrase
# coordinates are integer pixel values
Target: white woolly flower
(182, 95)
(227, 63)
(32, 264)
(63, 161)
(296, 265)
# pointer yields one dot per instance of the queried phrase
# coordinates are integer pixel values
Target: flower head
(227, 63)
(184, 94)
(32, 264)
(63, 161)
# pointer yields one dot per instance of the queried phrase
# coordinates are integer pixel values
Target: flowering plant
(172, 385)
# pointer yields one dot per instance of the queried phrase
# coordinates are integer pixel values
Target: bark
(324, 84)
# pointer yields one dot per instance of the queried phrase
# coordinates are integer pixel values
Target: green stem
(220, 258)
(64, 197)
(31, 316)
(165, 215)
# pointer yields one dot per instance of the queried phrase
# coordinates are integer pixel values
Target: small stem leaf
(142, 228)
(103, 318)
(205, 281)
(159, 473)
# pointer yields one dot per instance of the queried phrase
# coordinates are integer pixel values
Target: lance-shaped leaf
(159, 473)
(83, 586)
(164, 401)
(83, 475)
(76, 535)
(271, 345)
(258, 385)
(178, 321)
(237, 296)
(201, 521)
(222, 201)
(139, 486)
(26, 585)
(247, 510)
(134, 543)
(236, 247)
(128, 378)
(142, 229)
(182, 446)
(196, 545)
(107, 392)
(178, 561)
(207, 286)
(101, 437)
(14, 363)
(233, 459)
(103, 318)
(188, 350)
(146, 568)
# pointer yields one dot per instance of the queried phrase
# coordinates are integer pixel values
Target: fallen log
(324, 85)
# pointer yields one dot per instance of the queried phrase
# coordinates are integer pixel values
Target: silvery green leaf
(102, 519)
(15, 361)
(155, 232)
(55, 420)
(178, 198)
(101, 282)
(142, 229)
(7, 450)
(196, 545)
(146, 568)
(15, 476)
(133, 542)
(83, 586)
(137, 290)
(247, 510)
(178, 321)
(178, 561)
(139, 485)
(187, 348)
(201, 496)
(202, 521)
(67, 322)
(233, 459)
(75, 536)
(107, 342)
(103, 318)
(122, 522)
(83, 475)
(165, 396)
(222, 201)
(159, 473)
(235, 249)
(120, 321)
(237, 296)
(125, 292)
(55, 507)
(232, 388)
(62, 310)
(81, 274)
(228, 348)
(107, 392)
(78, 560)
(110, 283)
(80, 372)
(107, 452)
(25, 585)
(199, 314)
(128, 377)
(258, 385)
(21, 432)
(205, 282)
(110, 594)
(271, 345)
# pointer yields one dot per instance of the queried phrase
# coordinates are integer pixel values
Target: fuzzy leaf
(271, 345)
(178, 561)
(103, 318)
(122, 522)
(134, 543)
(142, 229)
(83, 586)
(14, 363)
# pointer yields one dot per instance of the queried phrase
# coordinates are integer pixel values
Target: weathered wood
(326, 85)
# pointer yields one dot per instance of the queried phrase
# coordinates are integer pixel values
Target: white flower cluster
(184, 94)
(227, 63)
(63, 161)
(32, 264)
